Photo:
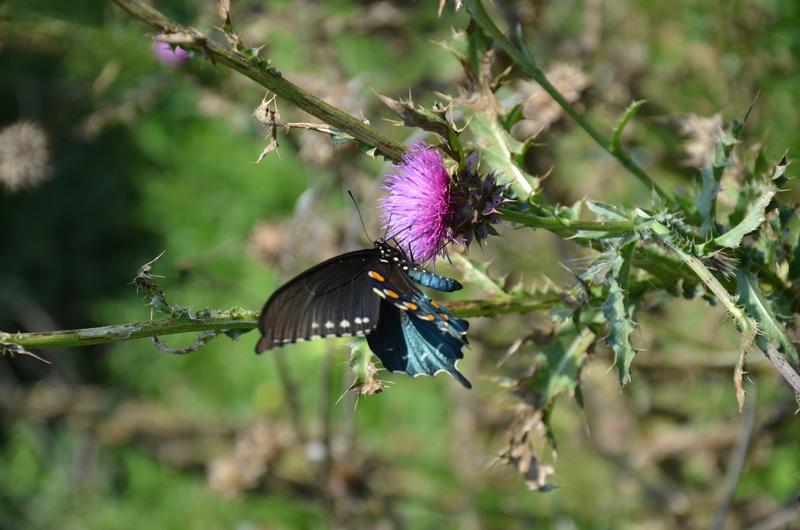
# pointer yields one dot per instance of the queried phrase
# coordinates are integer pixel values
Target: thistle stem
(566, 227)
(70, 338)
(239, 320)
(263, 73)
(522, 57)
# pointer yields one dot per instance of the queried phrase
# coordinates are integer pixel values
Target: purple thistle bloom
(417, 210)
(169, 56)
(427, 209)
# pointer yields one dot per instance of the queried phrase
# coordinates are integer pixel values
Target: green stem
(566, 227)
(266, 75)
(523, 59)
(240, 320)
(216, 321)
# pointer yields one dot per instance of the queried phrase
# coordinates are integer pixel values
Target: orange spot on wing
(427, 317)
(412, 306)
(435, 304)
(376, 276)
(391, 294)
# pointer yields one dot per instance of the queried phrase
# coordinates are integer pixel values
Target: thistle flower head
(427, 209)
(475, 199)
(417, 210)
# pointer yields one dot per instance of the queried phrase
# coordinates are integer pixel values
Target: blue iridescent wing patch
(415, 346)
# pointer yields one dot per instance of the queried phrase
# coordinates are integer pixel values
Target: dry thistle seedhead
(24, 156)
(539, 109)
(257, 448)
(702, 136)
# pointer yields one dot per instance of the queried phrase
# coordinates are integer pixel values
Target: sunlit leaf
(752, 220)
(476, 273)
(498, 152)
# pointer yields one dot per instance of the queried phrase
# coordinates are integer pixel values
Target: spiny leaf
(707, 198)
(564, 363)
(617, 311)
(560, 368)
(752, 220)
(606, 211)
(469, 47)
(759, 307)
(478, 274)
(778, 174)
(498, 151)
(712, 174)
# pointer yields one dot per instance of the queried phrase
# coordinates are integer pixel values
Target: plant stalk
(566, 227)
(242, 321)
(263, 73)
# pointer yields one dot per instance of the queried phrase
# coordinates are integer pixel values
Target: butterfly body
(372, 293)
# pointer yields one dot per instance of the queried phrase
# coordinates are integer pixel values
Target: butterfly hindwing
(396, 288)
(417, 347)
(393, 277)
(333, 298)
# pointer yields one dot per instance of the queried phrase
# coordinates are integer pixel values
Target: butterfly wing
(396, 287)
(433, 280)
(332, 299)
(415, 346)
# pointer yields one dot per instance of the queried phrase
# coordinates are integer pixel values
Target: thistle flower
(427, 209)
(474, 199)
(417, 210)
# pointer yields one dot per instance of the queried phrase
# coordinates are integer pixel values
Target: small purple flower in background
(427, 209)
(169, 56)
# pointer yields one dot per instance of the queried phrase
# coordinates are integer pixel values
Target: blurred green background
(143, 156)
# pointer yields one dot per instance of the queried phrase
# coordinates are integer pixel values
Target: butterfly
(370, 293)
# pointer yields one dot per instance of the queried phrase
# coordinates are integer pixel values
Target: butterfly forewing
(331, 299)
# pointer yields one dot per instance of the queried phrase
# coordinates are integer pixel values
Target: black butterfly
(370, 293)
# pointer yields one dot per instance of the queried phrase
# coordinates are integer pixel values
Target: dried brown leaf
(224, 10)
(702, 136)
(526, 442)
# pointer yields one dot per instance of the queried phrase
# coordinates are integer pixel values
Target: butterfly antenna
(393, 237)
(360, 217)
(388, 224)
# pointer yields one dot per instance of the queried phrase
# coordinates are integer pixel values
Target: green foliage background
(146, 157)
